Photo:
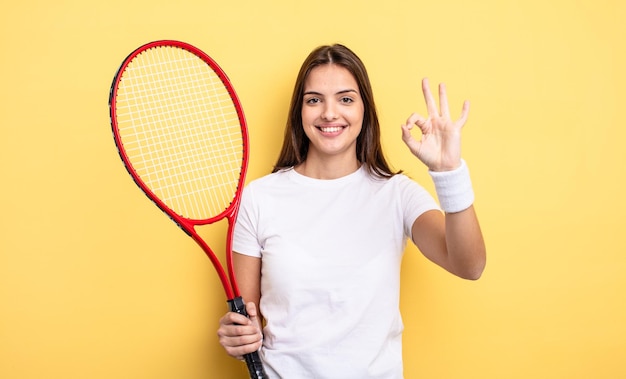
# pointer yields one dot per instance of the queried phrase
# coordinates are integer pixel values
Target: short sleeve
(415, 201)
(245, 237)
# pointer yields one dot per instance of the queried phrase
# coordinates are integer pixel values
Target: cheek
(358, 118)
(307, 116)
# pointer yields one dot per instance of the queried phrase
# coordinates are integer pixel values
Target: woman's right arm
(237, 334)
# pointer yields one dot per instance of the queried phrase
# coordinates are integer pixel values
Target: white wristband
(454, 188)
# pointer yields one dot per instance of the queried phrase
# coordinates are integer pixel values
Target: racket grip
(253, 360)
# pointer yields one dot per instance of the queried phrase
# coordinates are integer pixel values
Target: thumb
(252, 311)
(253, 315)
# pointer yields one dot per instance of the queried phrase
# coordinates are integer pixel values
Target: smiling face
(332, 113)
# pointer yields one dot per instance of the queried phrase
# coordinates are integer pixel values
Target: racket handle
(253, 360)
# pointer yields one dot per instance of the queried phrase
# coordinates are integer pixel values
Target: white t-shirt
(330, 280)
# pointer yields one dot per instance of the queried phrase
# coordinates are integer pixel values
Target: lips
(330, 129)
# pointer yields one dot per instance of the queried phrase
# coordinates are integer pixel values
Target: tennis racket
(181, 133)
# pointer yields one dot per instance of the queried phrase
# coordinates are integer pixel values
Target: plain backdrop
(95, 282)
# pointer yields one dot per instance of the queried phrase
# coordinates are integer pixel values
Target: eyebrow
(338, 93)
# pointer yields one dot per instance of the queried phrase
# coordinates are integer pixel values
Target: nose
(330, 111)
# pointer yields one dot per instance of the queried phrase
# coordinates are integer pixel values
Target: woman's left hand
(440, 145)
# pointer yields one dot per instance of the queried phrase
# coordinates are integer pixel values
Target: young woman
(319, 241)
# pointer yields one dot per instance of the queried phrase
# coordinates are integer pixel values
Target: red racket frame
(228, 281)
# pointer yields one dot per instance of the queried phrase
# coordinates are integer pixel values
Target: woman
(319, 241)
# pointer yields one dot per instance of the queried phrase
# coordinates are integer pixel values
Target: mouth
(331, 129)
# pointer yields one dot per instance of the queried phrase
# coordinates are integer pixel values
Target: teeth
(332, 129)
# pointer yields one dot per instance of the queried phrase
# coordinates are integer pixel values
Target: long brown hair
(368, 147)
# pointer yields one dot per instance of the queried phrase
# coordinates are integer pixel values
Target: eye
(346, 100)
(312, 100)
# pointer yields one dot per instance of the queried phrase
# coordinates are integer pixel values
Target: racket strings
(181, 131)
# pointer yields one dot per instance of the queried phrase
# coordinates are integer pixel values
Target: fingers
(234, 318)
(413, 144)
(251, 309)
(431, 104)
(464, 113)
(239, 348)
(439, 142)
(420, 121)
(444, 110)
(407, 137)
(238, 334)
(412, 120)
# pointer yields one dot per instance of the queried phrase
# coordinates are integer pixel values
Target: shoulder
(260, 189)
(398, 181)
(411, 194)
(269, 179)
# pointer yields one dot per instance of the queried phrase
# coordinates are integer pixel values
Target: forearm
(465, 248)
(248, 274)
(465, 244)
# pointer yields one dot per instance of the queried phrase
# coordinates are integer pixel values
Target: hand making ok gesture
(440, 145)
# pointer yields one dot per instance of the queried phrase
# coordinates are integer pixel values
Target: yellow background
(95, 282)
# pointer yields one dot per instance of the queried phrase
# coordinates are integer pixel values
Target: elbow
(473, 271)
(474, 274)
(478, 265)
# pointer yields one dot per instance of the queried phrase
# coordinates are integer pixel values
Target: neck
(327, 169)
